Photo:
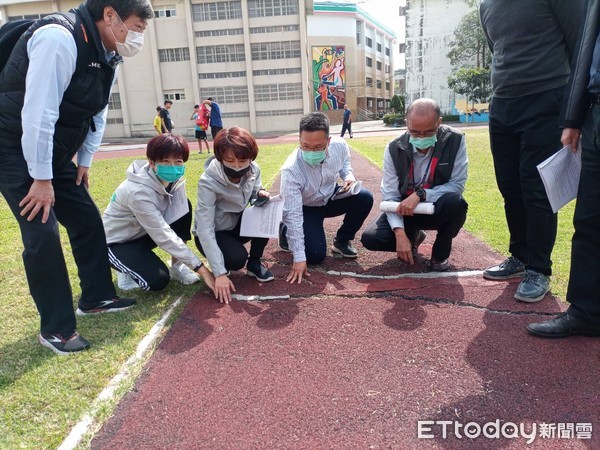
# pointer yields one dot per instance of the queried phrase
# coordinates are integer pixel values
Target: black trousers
(449, 217)
(584, 279)
(43, 257)
(136, 258)
(214, 131)
(524, 131)
(231, 244)
(346, 127)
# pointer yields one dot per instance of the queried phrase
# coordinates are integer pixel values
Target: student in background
(157, 121)
(201, 117)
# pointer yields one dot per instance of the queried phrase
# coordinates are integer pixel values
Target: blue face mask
(313, 157)
(169, 174)
(423, 143)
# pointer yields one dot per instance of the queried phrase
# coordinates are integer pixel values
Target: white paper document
(263, 221)
(560, 174)
(179, 205)
(422, 208)
(352, 190)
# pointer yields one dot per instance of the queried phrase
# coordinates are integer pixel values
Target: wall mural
(329, 77)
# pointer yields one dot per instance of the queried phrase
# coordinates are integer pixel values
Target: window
(220, 53)
(113, 121)
(26, 16)
(275, 50)
(212, 33)
(387, 51)
(280, 112)
(369, 82)
(387, 86)
(370, 103)
(173, 54)
(174, 95)
(369, 62)
(359, 27)
(203, 12)
(114, 102)
(379, 47)
(232, 115)
(274, 29)
(378, 65)
(369, 42)
(161, 12)
(214, 75)
(271, 72)
(276, 92)
(226, 94)
(268, 8)
(378, 84)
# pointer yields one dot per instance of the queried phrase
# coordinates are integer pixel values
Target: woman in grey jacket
(230, 180)
(149, 209)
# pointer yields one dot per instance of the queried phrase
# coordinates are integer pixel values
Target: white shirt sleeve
(390, 188)
(52, 60)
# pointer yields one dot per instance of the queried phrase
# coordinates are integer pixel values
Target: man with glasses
(428, 163)
(308, 182)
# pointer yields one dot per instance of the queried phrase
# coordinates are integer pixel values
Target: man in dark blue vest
(428, 163)
(54, 92)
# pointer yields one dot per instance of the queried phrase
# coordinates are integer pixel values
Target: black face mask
(234, 174)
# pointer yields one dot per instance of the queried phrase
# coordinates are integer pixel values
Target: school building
(265, 62)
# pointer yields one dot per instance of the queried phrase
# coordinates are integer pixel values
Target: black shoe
(438, 266)
(64, 345)
(345, 249)
(113, 305)
(283, 242)
(420, 237)
(254, 268)
(511, 267)
(566, 324)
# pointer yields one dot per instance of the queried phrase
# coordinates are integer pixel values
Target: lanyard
(425, 175)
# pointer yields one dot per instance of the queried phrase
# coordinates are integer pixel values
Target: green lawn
(42, 396)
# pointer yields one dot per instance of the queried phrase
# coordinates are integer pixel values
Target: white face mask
(134, 41)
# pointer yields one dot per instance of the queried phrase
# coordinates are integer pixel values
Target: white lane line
(466, 273)
(126, 372)
(259, 298)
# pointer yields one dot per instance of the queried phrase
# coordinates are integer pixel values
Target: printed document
(560, 174)
(263, 221)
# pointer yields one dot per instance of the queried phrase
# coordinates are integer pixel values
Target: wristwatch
(421, 194)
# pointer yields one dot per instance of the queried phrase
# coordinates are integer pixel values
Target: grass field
(42, 396)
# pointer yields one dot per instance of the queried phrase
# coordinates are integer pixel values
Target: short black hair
(209, 98)
(196, 106)
(167, 146)
(158, 108)
(167, 101)
(315, 121)
(124, 8)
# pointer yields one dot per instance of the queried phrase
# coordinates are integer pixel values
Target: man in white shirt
(56, 85)
(308, 181)
(427, 163)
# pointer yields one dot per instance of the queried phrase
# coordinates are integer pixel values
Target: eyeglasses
(308, 149)
(422, 134)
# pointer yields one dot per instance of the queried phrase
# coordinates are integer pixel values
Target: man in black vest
(428, 163)
(54, 92)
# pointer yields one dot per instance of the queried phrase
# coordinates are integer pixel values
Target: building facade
(430, 26)
(266, 62)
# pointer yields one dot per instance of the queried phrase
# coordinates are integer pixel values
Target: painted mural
(329, 77)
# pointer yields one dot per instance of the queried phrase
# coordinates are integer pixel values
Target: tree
(398, 104)
(474, 84)
(469, 47)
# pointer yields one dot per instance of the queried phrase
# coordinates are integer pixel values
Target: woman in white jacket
(150, 209)
(230, 180)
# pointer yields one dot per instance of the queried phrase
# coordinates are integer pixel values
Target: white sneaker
(183, 274)
(125, 282)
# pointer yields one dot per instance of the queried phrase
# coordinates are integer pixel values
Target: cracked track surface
(351, 362)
